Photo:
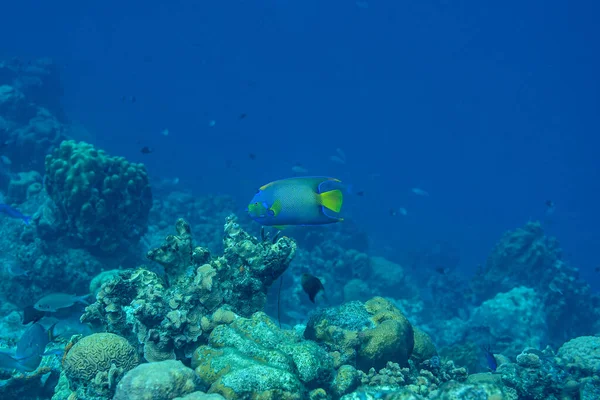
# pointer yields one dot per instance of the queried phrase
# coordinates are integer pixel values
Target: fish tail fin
(332, 200)
(83, 299)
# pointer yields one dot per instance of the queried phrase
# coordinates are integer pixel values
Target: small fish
(597, 269)
(550, 207)
(56, 301)
(30, 314)
(298, 201)
(242, 116)
(130, 99)
(360, 193)
(165, 132)
(552, 286)
(441, 270)
(490, 358)
(252, 156)
(401, 211)
(419, 192)
(311, 286)
(146, 150)
(337, 159)
(14, 213)
(14, 269)
(299, 169)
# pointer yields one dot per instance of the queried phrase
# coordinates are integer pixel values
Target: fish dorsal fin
(276, 207)
(332, 200)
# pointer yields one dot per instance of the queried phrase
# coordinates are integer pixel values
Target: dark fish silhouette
(242, 116)
(30, 314)
(146, 150)
(360, 193)
(311, 286)
(252, 156)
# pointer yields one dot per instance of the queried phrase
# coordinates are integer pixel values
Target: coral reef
(168, 318)
(514, 320)
(104, 201)
(365, 335)
(95, 364)
(162, 380)
(253, 357)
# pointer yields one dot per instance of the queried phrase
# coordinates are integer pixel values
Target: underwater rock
(25, 185)
(424, 348)
(101, 278)
(170, 320)
(536, 376)
(95, 364)
(581, 356)
(162, 380)
(527, 257)
(365, 335)
(104, 201)
(514, 319)
(253, 356)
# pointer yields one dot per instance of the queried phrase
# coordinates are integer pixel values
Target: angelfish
(311, 286)
(298, 201)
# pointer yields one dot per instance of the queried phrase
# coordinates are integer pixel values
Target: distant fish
(419, 192)
(400, 211)
(340, 157)
(14, 269)
(128, 99)
(360, 193)
(165, 132)
(5, 160)
(299, 169)
(146, 150)
(14, 213)
(242, 116)
(492, 363)
(252, 156)
(311, 286)
(337, 159)
(552, 286)
(56, 301)
(550, 206)
(175, 181)
(212, 123)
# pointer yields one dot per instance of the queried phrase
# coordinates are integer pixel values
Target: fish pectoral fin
(275, 208)
(332, 200)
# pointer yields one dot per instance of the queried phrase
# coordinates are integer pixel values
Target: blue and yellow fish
(312, 200)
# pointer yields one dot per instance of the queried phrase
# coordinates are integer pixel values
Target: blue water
(492, 109)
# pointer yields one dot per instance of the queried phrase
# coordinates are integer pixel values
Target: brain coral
(96, 354)
(104, 201)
